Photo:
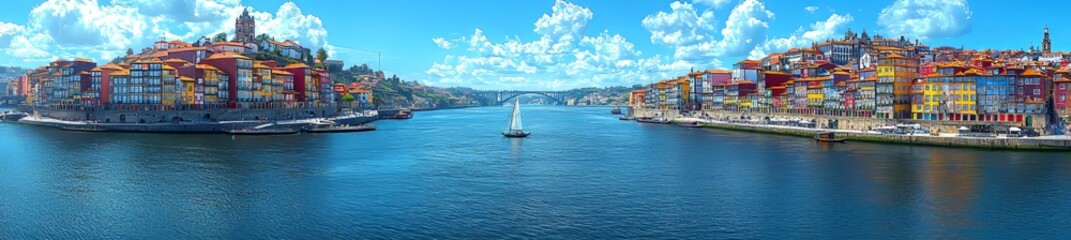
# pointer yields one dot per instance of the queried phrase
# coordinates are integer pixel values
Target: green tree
(129, 51)
(220, 37)
(321, 55)
(349, 98)
(263, 37)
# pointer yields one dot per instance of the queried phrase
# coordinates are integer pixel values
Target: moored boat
(626, 118)
(285, 131)
(657, 120)
(827, 137)
(616, 111)
(694, 124)
(341, 129)
(12, 116)
(403, 114)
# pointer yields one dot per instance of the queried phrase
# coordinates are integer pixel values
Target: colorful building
(637, 97)
(239, 72)
(893, 89)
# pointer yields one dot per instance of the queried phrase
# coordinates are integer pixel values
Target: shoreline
(193, 127)
(944, 140)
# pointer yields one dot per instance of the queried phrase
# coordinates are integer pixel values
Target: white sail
(515, 119)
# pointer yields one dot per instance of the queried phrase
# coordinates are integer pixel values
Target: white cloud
(712, 3)
(926, 18)
(442, 43)
(101, 31)
(745, 28)
(692, 34)
(681, 26)
(817, 32)
(567, 21)
(811, 9)
(290, 23)
(8, 32)
(86, 23)
(185, 10)
(562, 57)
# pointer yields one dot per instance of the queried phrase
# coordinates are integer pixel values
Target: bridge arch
(507, 96)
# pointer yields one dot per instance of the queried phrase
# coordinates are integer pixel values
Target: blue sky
(523, 44)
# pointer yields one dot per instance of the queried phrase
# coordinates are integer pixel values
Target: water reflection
(951, 179)
(516, 147)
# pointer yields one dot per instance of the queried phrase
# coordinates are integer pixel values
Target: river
(582, 174)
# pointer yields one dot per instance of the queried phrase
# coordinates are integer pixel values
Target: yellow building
(211, 81)
(663, 88)
(263, 89)
(745, 102)
(893, 89)
(188, 85)
(964, 92)
(170, 94)
(815, 96)
(682, 90)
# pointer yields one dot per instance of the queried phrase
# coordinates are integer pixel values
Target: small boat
(616, 111)
(515, 127)
(12, 116)
(341, 129)
(285, 131)
(827, 137)
(83, 128)
(691, 124)
(403, 114)
(657, 120)
(626, 118)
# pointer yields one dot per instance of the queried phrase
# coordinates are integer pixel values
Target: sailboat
(515, 130)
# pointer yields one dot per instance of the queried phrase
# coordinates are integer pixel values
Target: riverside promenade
(1000, 142)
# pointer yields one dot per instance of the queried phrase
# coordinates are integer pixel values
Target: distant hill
(8, 73)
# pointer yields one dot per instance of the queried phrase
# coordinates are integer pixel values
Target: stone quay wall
(843, 123)
(213, 115)
(852, 128)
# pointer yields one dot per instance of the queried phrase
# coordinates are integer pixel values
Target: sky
(522, 44)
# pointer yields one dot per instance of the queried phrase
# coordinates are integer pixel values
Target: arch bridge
(501, 97)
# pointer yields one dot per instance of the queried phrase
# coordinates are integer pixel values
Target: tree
(129, 51)
(263, 37)
(321, 55)
(220, 37)
(349, 98)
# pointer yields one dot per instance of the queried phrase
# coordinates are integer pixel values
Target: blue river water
(582, 174)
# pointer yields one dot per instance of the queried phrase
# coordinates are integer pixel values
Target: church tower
(245, 28)
(1046, 45)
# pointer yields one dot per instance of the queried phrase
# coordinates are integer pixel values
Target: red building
(1062, 97)
(775, 78)
(1031, 91)
(189, 54)
(239, 70)
(928, 69)
(304, 84)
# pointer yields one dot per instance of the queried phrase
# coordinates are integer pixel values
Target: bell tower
(1046, 44)
(245, 28)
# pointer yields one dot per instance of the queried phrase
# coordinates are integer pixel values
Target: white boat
(515, 129)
